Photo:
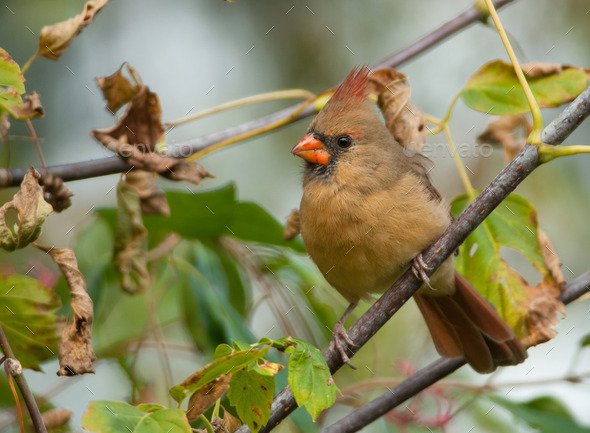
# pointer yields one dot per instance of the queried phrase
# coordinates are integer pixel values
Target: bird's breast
(362, 243)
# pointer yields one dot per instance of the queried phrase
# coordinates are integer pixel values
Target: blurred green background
(198, 54)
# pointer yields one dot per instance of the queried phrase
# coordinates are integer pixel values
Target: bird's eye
(344, 141)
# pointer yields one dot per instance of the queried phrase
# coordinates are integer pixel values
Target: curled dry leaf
(170, 168)
(293, 226)
(205, 397)
(75, 351)
(404, 120)
(56, 193)
(30, 108)
(140, 124)
(57, 417)
(55, 39)
(117, 89)
(129, 255)
(31, 208)
(510, 132)
(152, 198)
(135, 136)
(552, 260)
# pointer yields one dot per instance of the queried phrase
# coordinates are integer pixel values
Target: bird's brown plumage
(368, 210)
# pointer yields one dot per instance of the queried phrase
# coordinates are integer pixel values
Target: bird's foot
(419, 268)
(339, 335)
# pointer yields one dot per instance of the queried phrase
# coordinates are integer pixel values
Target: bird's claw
(419, 268)
(339, 335)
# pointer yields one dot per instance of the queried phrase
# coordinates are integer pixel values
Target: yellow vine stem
(252, 133)
(549, 152)
(440, 125)
(443, 125)
(535, 137)
(263, 97)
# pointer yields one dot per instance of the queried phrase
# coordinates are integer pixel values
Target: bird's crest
(353, 89)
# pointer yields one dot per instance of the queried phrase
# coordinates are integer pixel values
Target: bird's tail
(465, 324)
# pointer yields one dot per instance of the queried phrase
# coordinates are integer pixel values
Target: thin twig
(22, 384)
(111, 165)
(37, 143)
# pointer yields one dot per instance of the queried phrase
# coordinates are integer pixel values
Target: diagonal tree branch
(426, 377)
(403, 289)
(114, 164)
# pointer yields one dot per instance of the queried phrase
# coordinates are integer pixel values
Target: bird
(367, 213)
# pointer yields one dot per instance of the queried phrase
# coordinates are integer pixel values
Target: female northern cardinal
(367, 212)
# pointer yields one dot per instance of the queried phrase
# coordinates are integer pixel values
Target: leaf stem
(208, 425)
(441, 123)
(535, 137)
(263, 97)
(443, 126)
(26, 65)
(548, 152)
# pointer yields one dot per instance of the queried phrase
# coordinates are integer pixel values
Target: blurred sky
(198, 54)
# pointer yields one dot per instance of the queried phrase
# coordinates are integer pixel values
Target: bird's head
(347, 138)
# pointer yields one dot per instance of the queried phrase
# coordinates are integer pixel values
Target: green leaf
(207, 310)
(310, 378)
(105, 416)
(251, 393)
(514, 225)
(585, 341)
(211, 214)
(12, 82)
(226, 365)
(495, 89)
(222, 350)
(28, 320)
(545, 414)
(236, 290)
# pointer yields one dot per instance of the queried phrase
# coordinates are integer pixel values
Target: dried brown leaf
(135, 136)
(405, 121)
(75, 351)
(129, 255)
(543, 306)
(117, 89)
(55, 39)
(153, 200)
(31, 107)
(140, 125)
(293, 226)
(205, 397)
(230, 422)
(56, 193)
(31, 208)
(170, 168)
(510, 132)
(57, 417)
(552, 260)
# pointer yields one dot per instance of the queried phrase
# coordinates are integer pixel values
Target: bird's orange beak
(312, 150)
